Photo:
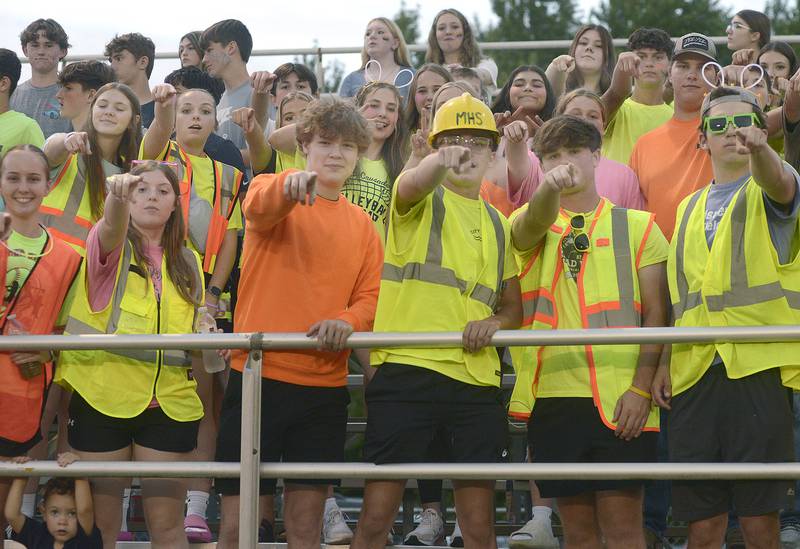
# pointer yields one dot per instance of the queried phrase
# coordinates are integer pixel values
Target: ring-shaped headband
(721, 74)
(745, 69)
(369, 77)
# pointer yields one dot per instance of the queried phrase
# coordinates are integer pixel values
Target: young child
(587, 264)
(67, 509)
(298, 225)
(15, 127)
(448, 267)
(79, 84)
(132, 56)
(45, 43)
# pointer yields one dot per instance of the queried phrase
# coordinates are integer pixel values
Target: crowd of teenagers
(652, 187)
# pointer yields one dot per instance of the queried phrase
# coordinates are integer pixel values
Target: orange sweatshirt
(302, 264)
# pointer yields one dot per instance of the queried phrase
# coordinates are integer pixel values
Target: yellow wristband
(635, 390)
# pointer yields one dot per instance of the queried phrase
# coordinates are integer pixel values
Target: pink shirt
(101, 270)
(615, 181)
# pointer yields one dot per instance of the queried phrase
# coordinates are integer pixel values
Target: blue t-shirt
(148, 113)
(781, 220)
(34, 535)
(223, 150)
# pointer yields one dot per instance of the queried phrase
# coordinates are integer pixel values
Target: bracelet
(644, 394)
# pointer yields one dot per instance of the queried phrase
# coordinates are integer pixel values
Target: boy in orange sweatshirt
(311, 263)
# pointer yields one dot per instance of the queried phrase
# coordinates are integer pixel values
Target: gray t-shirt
(230, 101)
(41, 105)
(781, 221)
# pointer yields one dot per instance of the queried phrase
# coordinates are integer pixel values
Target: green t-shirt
(370, 189)
(632, 121)
(25, 252)
(18, 129)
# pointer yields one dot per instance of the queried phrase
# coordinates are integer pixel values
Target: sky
(298, 24)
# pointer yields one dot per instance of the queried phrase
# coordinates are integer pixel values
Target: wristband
(644, 394)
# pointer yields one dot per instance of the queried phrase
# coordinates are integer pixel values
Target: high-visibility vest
(122, 382)
(206, 224)
(424, 288)
(609, 296)
(738, 282)
(36, 306)
(66, 210)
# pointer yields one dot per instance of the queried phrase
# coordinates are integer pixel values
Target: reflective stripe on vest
(64, 222)
(741, 293)
(170, 357)
(432, 270)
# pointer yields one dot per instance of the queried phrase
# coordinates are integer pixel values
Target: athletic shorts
(298, 424)
(732, 421)
(569, 430)
(11, 448)
(417, 415)
(91, 431)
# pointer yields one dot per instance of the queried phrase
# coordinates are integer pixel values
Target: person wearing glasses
(586, 263)
(667, 160)
(743, 224)
(748, 29)
(448, 266)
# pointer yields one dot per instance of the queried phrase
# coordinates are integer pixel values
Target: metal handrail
(250, 468)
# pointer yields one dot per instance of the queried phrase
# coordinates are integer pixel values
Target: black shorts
(91, 431)
(416, 415)
(569, 430)
(733, 421)
(298, 424)
(10, 448)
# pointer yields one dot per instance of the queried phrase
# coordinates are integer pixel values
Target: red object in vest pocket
(601, 242)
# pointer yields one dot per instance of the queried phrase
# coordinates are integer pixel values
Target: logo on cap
(471, 118)
(695, 42)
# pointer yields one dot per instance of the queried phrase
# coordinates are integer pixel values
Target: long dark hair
(758, 22)
(412, 114)
(183, 275)
(575, 78)
(393, 151)
(470, 54)
(127, 150)
(503, 101)
(785, 50)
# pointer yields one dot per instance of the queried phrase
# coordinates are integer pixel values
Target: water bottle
(29, 370)
(206, 324)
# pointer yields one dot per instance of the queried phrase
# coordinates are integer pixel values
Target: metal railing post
(249, 517)
(320, 71)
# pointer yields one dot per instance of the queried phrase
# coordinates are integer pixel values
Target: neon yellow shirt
(370, 189)
(18, 129)
(632, 121)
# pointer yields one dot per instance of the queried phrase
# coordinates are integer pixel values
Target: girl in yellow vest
(733, 262)
(82, 160)
(209, 200)
(136, 404)
(37, 271)
(587, 264)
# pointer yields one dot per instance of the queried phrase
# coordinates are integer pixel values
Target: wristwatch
(215, 291)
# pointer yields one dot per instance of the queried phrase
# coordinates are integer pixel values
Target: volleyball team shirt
(369, 188)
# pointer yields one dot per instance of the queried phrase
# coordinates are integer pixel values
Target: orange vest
(227, 181)
(36, 306)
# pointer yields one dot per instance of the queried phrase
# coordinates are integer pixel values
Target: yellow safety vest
(738, 282)
(424, 289)
(608, 291)
(122, 382)
(65, 210)
(206, 223)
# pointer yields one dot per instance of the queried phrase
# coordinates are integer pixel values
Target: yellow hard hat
(463, 113)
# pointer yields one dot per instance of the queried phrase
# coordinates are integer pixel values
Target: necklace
(26, 255)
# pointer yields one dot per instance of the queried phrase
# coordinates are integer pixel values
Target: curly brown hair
(333, 119)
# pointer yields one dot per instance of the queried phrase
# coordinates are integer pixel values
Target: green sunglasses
(719, 124)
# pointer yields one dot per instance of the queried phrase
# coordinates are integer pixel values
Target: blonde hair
(580, 92)
(458, 84)
(291, 96)
(400, 53)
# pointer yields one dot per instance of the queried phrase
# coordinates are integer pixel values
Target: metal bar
(251, 450)
(320, 70)
(281, 341)
(504, 471)
(485, 46)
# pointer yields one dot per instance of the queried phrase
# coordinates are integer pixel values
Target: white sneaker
(457, 540)
(335, 530)
(790, 536)
(430, 530)
(536, 534)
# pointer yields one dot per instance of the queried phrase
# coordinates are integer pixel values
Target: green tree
(408, 21)
(785, 18)
(677, 17)
(520, 20)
